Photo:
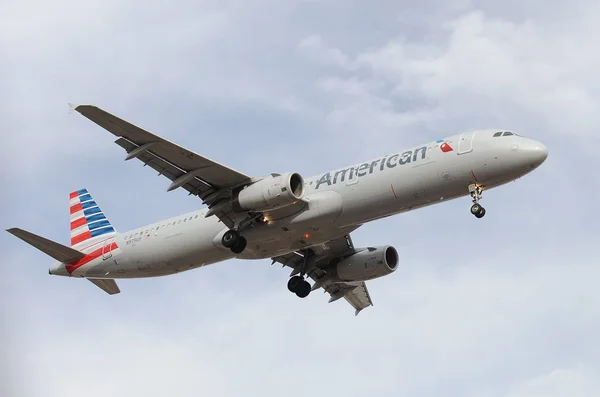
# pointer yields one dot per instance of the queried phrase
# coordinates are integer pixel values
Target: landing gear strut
(476, 192)
(232, 240)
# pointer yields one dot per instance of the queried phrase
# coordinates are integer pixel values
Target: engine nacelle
(371, 263)
(271, 192)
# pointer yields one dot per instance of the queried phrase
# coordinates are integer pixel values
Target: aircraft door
(107, 249)
(465, 143)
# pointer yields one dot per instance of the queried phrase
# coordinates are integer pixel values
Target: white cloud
(314, 47)
(567, 382)
(475, 67)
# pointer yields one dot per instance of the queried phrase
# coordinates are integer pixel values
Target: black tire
(481, 213)
(303, 289)
(476, 209)
(240, 246)
(230, 238)
(294, 283)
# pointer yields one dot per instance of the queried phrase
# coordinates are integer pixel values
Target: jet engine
(370, 263)
(272, 192)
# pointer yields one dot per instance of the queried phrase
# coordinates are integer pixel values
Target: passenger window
(498, 134)
(507, 133)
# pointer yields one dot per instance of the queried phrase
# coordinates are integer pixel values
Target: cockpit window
(498, 134)
(506, 133)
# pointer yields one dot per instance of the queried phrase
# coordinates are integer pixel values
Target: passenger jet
(303, 222)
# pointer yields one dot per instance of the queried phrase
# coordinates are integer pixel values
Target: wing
(200, 176)
(355, 293)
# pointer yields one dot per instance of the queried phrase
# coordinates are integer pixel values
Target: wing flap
(208, 194)
(108, 285)
(57, 251)
(164, 167)
(213, 173)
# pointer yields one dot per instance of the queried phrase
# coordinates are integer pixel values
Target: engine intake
(368, 264)
(270, 193)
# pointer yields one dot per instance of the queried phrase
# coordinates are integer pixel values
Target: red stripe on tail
(80, 237)
(78, 223)
(76, 208)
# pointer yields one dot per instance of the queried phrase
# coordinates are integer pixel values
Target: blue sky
(505, 306)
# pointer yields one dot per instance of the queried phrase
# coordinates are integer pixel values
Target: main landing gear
(299, 286)
(476, 193)
(232, 240)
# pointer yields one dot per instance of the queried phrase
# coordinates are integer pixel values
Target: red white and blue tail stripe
(88, 222)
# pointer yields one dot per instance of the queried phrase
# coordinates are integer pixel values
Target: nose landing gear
(476, 192)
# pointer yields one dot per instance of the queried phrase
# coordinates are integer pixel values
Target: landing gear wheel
(481, 213)
(239, 247)
(476, 193)
(294, 283)
(303, 289)
(477, 210)
(230, 238)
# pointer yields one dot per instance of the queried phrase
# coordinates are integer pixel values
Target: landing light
(306, 235)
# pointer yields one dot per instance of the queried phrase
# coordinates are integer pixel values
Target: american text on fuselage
(398, 159)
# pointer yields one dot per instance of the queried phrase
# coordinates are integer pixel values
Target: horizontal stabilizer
(107, 284)
(58, 251)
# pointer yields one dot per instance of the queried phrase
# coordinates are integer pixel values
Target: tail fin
(88, 223)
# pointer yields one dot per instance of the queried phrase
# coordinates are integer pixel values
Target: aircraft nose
(537, 152)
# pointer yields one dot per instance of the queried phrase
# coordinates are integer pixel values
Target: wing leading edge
(355, 293)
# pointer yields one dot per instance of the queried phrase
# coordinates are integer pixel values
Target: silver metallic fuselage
(385, 186)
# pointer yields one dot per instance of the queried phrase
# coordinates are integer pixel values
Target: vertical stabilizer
(88, 222)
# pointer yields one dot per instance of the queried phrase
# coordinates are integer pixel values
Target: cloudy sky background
(506, 306)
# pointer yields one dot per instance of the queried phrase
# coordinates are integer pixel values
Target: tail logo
(87, 219)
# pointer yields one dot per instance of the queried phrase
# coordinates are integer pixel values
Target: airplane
(300, 222)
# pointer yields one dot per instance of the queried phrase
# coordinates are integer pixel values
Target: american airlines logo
(445, 146)
(382, 164)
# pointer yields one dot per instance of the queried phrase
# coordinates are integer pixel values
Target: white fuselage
(339, 202)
